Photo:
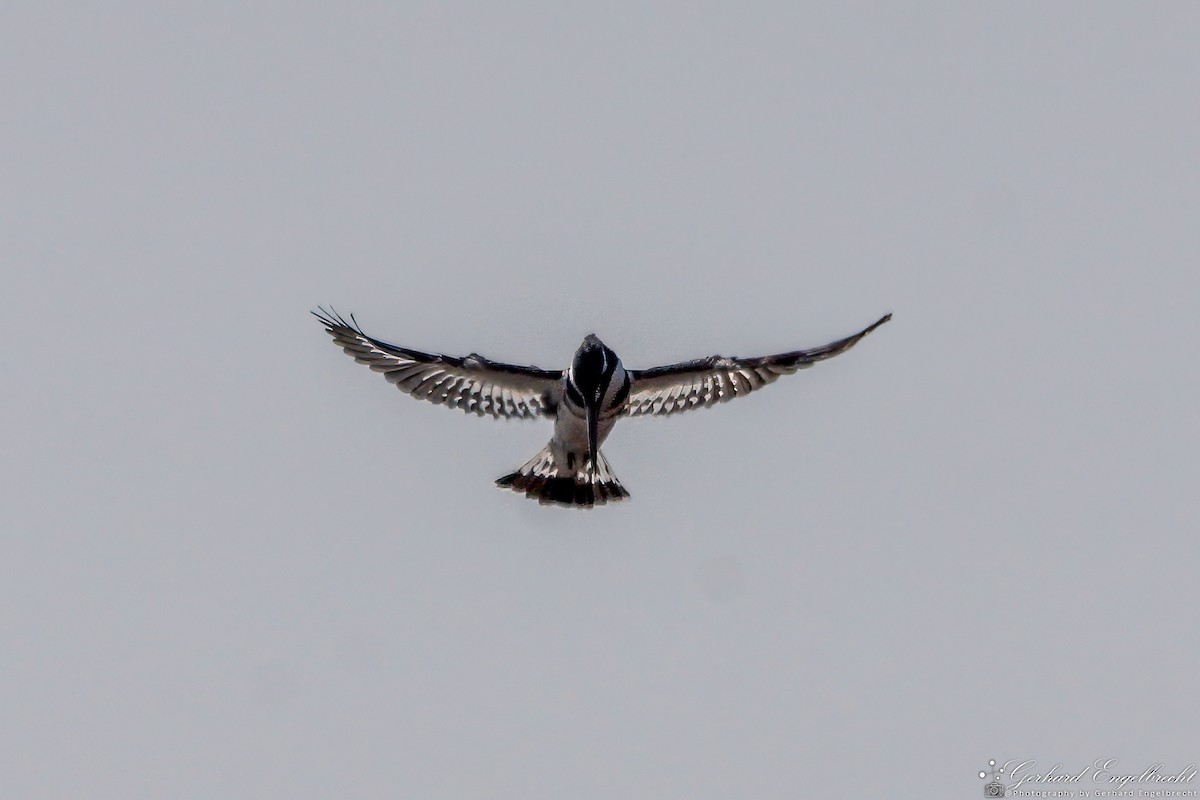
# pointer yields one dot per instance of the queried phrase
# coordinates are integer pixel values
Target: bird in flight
(584, 401)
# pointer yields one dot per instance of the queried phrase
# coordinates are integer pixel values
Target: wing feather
(472, 383)
(707, 381)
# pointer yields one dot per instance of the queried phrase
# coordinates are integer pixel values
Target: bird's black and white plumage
(585, 400)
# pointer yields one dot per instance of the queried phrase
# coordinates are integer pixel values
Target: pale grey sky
(234, 564)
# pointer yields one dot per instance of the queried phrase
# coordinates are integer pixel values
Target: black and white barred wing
(472, 383)
(717, 379)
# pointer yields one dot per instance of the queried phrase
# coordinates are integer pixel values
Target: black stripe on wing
(473, 383)
(717, 379)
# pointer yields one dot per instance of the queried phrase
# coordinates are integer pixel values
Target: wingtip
(331, 319)
(886, 317)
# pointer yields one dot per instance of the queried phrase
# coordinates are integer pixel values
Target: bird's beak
(593, 424)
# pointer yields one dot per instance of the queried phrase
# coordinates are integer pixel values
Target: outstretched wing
(716, 379)
(472, 383)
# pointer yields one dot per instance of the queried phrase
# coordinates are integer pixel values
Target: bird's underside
(584, 400)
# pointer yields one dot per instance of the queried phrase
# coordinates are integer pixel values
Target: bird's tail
(541, 478)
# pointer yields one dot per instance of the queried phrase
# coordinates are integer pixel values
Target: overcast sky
(235, 564)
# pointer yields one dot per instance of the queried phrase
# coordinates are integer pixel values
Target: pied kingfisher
(585, 400)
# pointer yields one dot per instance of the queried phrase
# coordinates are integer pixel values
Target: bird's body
(571, 470)
(585, 400)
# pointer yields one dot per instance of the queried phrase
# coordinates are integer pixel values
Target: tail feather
(542, 479)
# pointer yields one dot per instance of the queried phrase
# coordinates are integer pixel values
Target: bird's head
(592, 366)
